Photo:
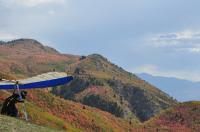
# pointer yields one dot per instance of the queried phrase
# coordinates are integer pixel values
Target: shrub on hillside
(98, 102)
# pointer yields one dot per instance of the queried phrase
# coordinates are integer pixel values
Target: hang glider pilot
(45, 80)
(9, 106)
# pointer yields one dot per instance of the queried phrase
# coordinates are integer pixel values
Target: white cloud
(192, 75)
(146, 69)
(8, 36)
(190, 50)
(184, 41)
(30, 3)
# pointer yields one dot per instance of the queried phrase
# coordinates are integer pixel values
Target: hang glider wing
(50, 79)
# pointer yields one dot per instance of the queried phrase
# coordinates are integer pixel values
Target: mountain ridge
(28, 43)
(98, 71)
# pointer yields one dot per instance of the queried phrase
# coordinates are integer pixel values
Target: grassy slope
(77, 115)
(53, 112)
(183, 117)
(9, 124)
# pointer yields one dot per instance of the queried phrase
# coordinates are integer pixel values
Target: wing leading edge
(50, 79)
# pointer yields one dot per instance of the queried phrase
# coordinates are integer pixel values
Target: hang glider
(50, 79)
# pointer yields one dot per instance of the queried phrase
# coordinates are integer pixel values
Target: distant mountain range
(182, 90)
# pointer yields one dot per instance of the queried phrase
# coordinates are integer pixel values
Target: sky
(159, 37)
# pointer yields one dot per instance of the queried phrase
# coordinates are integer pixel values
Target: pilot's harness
(20, 96)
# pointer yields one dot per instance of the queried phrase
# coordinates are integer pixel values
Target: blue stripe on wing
(40, 84)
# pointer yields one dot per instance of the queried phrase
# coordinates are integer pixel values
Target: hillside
(47, 110)
(29, 57)
(9, 124)
(101, 84)
(43, 107)
(103, 96)
(98, 82)
(184, 117)
(182, 90)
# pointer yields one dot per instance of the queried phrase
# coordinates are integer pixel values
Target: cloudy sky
(160, 37)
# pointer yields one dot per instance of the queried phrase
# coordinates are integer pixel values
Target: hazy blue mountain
(182, 90)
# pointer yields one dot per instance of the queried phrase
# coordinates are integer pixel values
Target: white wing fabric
(50, 79)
